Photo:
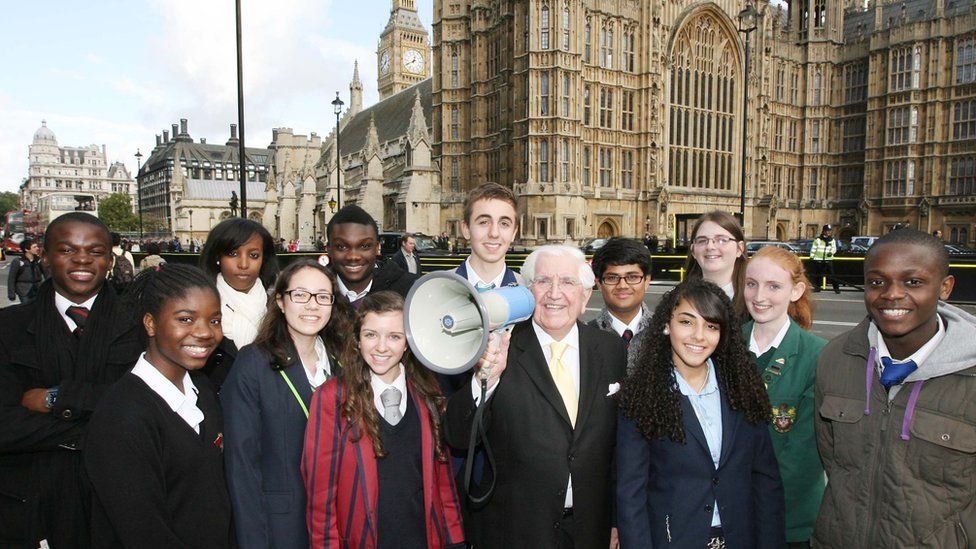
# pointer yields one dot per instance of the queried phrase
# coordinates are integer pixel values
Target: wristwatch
(51, 398)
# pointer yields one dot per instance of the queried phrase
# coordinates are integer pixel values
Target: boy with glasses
(623, 273)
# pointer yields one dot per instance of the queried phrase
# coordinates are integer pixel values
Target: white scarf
(242, 311)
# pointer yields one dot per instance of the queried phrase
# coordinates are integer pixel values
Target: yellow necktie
(564, 381)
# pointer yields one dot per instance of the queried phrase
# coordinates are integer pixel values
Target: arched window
(587, 43)
(565, 25)
(544, 28)
(544, 160)
(703, 113)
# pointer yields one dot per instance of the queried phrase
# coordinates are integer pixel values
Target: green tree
(8, 201)
(116, 211)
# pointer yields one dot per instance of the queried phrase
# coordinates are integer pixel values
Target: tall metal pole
(240, 113)
(337, 108)
(745, 127)
(139, 192)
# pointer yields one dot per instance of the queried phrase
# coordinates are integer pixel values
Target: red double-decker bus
(13, 231)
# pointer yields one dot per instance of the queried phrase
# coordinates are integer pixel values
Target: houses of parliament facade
(625, 117)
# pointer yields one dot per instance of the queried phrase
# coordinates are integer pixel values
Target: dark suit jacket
(401, 260)
(42, 494)
(666, 490)
(264, 434)
(536, 447)
(220, 362)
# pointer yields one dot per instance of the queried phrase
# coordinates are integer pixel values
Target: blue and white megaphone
(448, 320)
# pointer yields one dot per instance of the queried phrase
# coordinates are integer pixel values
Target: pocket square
(614, 387)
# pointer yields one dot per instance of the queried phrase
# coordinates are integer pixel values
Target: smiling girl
(695, 467)
(717, 253)
(240, 257)
(777, 294)
(375, 465)
(266, 398)
(153, 450)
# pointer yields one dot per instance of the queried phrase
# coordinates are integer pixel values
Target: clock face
(413, 61)
(385, 62)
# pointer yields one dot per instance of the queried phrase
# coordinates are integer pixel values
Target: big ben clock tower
(404, 54)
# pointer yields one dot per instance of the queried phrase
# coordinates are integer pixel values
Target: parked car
(591, 245)
(957, 250)
(756, 245)
(426, 247)
(802, 245)
(865, 241)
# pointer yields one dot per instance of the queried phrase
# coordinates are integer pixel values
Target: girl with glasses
(717, 253)
(266, 400)
(376, 467)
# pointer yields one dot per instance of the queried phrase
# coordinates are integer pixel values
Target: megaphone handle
(478, 433)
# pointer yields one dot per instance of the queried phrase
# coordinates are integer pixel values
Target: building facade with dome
(62, 179)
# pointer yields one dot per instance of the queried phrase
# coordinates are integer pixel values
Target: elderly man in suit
(551, 417)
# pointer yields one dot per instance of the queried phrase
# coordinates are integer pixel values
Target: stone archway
(781, 232)
(606, 230)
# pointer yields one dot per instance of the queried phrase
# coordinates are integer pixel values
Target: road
(834, 314)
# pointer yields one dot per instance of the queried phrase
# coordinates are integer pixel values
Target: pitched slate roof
(392, 117)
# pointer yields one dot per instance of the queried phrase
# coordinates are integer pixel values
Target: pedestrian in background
(26, 273)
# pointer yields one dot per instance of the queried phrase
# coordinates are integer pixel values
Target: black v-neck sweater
(157, 483)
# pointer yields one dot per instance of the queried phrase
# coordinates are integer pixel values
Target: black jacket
(24, 278)
(391, 277)
(42, 493)
(536, 447)
(400, 259)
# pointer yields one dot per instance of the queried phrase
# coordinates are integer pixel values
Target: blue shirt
(708, 409)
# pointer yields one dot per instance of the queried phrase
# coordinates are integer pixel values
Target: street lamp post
(191, 229)
(240, 114)
(139, 192)
(337, 107)
(747, 23)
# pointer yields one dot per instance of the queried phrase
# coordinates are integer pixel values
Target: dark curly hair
(650, 396)
(358, 408)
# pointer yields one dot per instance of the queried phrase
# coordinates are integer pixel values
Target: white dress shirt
(351, 295)
(62, 303)
(184, 402)
(754, 347)
(323, 368)
(400, 384)
(918, 356)
(474, 279)
(411, 261)
(619, 326)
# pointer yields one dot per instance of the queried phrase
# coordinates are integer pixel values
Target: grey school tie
(391, 405)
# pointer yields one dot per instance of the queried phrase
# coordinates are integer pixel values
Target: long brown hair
(801, 310)
(694, 270)
(358, 407)
(273, 337)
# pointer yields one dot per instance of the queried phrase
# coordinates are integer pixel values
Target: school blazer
(264, 435)
(341, 482)
(666, 490)
(790, 379)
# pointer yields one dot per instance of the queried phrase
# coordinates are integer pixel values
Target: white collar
(405, 253)
(919, 356)
(474, 279)
(400, 384)
(619, 326)
(780, 335)
(351, 295)
(729, 290)
(571, 339)
(711, 385)
(184, 403)
(62, 303)
(323, 368)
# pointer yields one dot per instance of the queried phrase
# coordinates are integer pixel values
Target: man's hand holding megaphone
(492, 364)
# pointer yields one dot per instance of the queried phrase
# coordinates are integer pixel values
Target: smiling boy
(896, 398)
(623, 272)
(490, 225)
(58, 354)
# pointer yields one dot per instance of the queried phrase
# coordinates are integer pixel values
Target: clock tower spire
(404, 55)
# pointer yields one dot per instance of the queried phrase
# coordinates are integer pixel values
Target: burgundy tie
(80, 316)
(627, 336)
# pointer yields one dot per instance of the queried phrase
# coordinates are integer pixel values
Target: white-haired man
(551, 417)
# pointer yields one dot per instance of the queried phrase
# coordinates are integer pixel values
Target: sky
(118, 72)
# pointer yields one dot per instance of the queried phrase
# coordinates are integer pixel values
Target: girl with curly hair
(695, 465)
(375, 465)
(778, 296)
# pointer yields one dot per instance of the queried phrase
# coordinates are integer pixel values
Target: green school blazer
(789, 378)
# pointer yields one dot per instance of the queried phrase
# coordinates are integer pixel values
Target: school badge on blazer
(219, 441)
(783, 417)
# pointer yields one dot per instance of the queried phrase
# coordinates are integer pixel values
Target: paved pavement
(834, 314)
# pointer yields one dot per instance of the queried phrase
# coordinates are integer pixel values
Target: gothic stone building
(626, 116)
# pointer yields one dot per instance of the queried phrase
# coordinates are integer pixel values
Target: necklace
(703, 383)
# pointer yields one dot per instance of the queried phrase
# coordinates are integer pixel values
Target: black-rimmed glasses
(302, 296)
(630, 278)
